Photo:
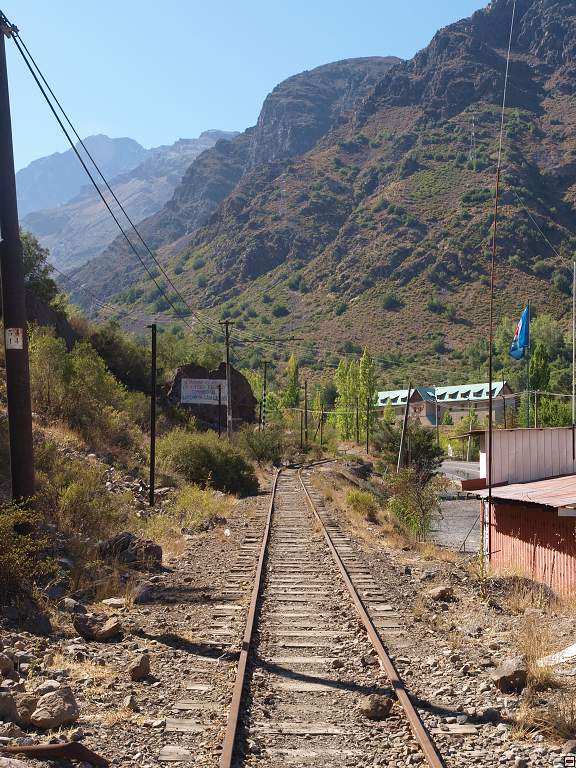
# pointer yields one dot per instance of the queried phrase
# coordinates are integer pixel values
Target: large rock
(8, 710)
(6, 664)
(443, 592)
(140, 667)
(375, 707)
(9, 762)
(26, 703)
(55, 709)
(511, 675)
(97, 626)
(130, 550)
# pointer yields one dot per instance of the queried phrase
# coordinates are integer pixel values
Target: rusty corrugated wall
(535, 542)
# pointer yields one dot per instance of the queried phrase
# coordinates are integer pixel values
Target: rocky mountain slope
(379, 234)
(294, 117)
(53, 180)
(81, 228)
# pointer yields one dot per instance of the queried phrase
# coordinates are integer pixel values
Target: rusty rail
(234, 712)
(421, 735)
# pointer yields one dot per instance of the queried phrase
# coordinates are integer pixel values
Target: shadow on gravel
(209, 650)
(180, 594)
(338, 685)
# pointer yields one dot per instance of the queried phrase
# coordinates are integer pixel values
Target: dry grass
(556, 721)
(118, 716)
(430, 551)
(534, 640)
(100, 675)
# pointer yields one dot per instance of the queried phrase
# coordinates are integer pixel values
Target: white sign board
(14, 338)
(202, 391)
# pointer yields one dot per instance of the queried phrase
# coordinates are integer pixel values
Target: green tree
(366, 387)
(37, 270)
(346, 381)
(389, 415)
(539, 368)
(291, 395)
(423, 454)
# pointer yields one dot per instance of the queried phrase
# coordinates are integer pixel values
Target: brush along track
(312, 651)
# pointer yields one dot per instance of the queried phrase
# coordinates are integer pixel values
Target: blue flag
(521, 340)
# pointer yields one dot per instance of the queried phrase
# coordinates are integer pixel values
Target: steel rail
(421, 735)
(233, 715)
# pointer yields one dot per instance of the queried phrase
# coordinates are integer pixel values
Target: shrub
(199, 509)
(264, 446)
(340, 308)
(390, 301)
(280, 310)
(206, 460)
(413, 502)
(363, 503)
(20, 564)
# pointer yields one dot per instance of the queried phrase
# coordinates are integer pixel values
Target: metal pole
(504, 409)
(403, 434)
(437, 424)
(321, 424)
(528, 372)
(536, 409)
(301, 429)
(229, 426)
(153, 374)
(357, 422)
(573, 343)
(14, 304)
(306, 413)
(219, 410)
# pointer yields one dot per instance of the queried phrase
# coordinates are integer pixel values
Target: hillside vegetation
(377, 232)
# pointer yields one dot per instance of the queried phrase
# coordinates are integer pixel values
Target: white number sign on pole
(14, 338)
(202, 391)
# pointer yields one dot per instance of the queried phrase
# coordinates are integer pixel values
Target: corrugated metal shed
(556, 493)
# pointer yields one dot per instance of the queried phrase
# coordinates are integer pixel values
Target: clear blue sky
(161, 71)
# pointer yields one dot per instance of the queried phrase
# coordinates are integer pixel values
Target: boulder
(511, 675)
(8, 711)
(569, 747)
(375, 707)
(140, 667)
(47, 687)
(55, 709)
(6, 664)
(11, 731)
(444, 592)
(97, 626)
(72, 606)
(9, 762)
(115, 602)
(25, 704)
(143, 593)
(128, 549)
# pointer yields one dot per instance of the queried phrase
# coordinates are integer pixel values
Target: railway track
(314, 650)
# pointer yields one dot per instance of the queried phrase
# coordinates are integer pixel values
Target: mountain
(53, 180)
(294, 117)
(80, 229)
(379, 232)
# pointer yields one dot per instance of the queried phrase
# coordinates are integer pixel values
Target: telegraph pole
(306, 413)
(153, 375)
(322, 424)
(219, 410)
(227, 324)
(357, 422)
(368, 425)
(263, 400)
(14, 300)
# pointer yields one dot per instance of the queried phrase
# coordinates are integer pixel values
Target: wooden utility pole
(404, 426)
(322, 424)
(263, 400)
(357, 422)
(14, 301)
(219, 410)
(306, 413)
(301, 429)
(229, 427)
(153, 375)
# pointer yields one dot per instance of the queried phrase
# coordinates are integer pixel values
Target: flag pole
(528, 373)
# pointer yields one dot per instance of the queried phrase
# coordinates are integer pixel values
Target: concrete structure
(530, 527)
(430, 404)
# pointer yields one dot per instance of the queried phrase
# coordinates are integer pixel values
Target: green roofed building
(430, 404)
